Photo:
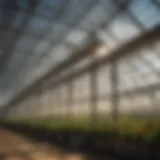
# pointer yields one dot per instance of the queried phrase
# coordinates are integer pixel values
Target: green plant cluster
(131, 129)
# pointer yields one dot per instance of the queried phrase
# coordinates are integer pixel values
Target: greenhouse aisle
(17, 147)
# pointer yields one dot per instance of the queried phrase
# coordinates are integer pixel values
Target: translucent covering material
(49, 31)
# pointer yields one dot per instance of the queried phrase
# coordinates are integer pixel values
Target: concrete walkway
(16, 147)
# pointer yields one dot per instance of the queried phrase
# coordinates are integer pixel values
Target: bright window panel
(143, 104)
(104, 81)
(123, 28)
(64, 93)
(82, 87)
(104, 108)
(59, 53)
(57, 31)
(41, 47)
(96, 16)
(125, 79)
(125, 106)
(76, 37)
(146, 12)
(139, 81)
(81, 109)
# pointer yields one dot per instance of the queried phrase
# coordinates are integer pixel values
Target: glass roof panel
(139, 70)
(76, 37)
(104, 85)
(42, 46)
(61, 53)
(16, 23)
(146, 12)
(51, 3)
(123, 28)
(57, 31)
(38, 25)
(97, 16)
(56, 28)
(26, 44)
(82, 88)
(77, 13)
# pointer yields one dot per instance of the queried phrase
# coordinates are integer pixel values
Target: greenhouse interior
(81, 77)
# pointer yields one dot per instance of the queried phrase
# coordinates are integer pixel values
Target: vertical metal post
(94, 95)
(37, 106)
(70, 99)
(28, 107)
(55, 102)
(33, 106)
(94, 90)
(114, 91)
(40, 107)
(63, 101)
(43, 106)
(51, 102)
(60, 102)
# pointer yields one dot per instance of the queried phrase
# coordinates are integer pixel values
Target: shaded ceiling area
(37, 35)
